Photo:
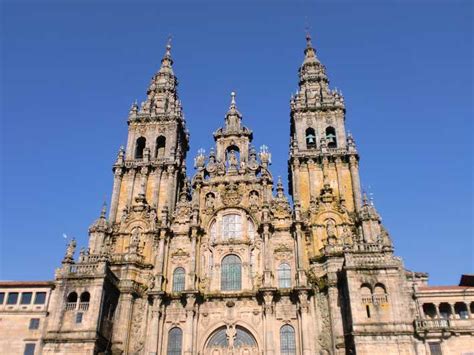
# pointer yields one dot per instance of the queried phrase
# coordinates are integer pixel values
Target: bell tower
(322, 154)
(152, 165)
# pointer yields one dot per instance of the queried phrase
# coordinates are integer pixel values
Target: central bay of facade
(222, 263)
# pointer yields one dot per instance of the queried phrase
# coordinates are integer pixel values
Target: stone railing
(83, 306)
(70, 306)
(423, 325)
(368, 247)
(375, 299)
(380, 299)
(83, 269)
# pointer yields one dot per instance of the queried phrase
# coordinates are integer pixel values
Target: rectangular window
(79, 317)
(2, 297)
(12, 298)
(34, 323)
(435, 348)
(29, 349)
(40, 297)
(26, 297)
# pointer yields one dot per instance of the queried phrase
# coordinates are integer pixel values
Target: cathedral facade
(222, 262)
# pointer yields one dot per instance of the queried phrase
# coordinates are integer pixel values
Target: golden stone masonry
(223, 263)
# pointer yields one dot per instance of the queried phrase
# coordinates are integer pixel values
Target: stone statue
(233, 162)
(71, 248)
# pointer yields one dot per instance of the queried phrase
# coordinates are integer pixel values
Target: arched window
(140, 147)
(310, 138)
(85, 297)
(429, 310)
(331, 137)
(287, 340)
(284, 276)
(366, 294)
(231, 273)
(178, 279)
(72, 297)
(461, 310)
(242, 338)
(175, 341)
(380, 294)
(231, 226)
(160, 147)
(71, 301)
(445, 310)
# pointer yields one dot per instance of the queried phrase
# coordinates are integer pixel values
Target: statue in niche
(253, 198)
(233, 161)
(330, 228)
(210, 200)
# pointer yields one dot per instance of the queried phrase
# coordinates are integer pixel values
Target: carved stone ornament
(231, 195)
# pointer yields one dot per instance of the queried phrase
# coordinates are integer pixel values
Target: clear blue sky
(70, 71)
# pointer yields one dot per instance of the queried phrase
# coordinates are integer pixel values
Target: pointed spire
(103, 212)
(233, 105)
(310, 52)
(167, 61)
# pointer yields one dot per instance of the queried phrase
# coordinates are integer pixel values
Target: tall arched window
(310, 138)
(178, 279)
(284, 276)
(287, 340)
(231, 226)
(231, 273)
(175, 341)
(331, 137)
(160, 147)
(140, 147)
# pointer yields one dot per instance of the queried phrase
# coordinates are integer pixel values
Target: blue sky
(71, 70)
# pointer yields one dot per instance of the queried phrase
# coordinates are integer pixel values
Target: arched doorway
(231, 340)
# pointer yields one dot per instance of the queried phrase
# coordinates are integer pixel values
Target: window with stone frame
(231, 273)
(40, 297)
(175, 341)
(435, 349)
(231, 226)
(179, 279)
(287, 340)
(34, 323)
(26, 297)
(12, 298)
(284, 275)
(29, 349)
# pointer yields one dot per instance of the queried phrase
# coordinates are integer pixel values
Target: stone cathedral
(222, 262)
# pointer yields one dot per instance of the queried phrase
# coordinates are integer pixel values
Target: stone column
(340, 181)
(172, 172)
(122, 334)
(296, 188)
(354, 168)
(269, 340)
(192, 271)
(131, 185)
(267, 279)
(312, 179)
(159, 260)
(299, 256)
(306, 333)
(153, 328)
(115, 194)
(188, 333)
(156, 189)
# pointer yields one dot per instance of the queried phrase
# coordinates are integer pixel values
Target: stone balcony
(425, 326)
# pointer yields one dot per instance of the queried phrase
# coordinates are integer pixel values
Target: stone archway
(231, 340)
